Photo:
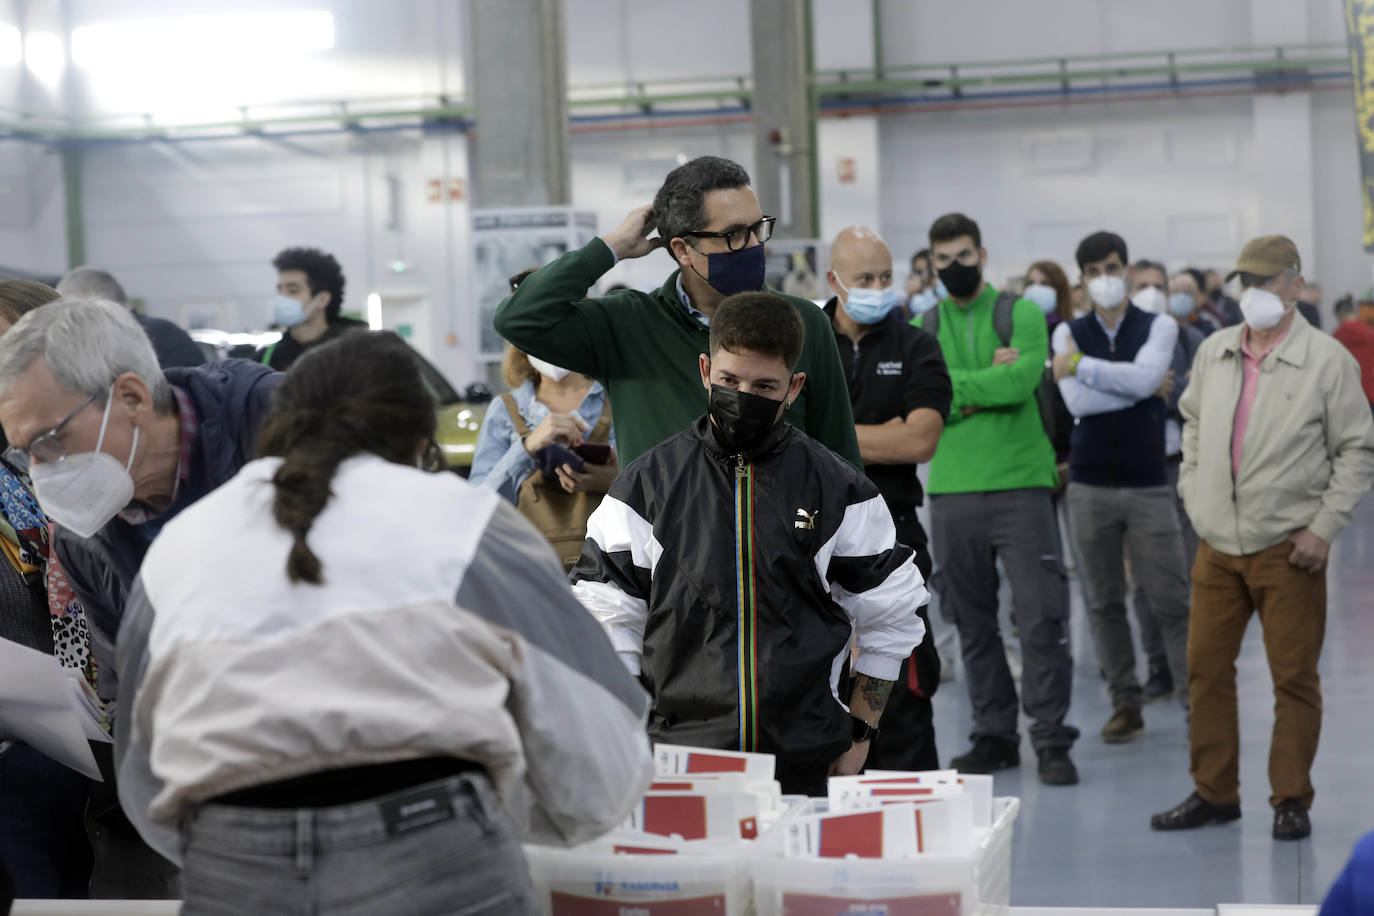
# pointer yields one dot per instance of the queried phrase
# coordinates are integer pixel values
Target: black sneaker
(988, 755)
(1160, 685)
(1124, 725)
(1056, 769)
(1291, 821)
(1195, 812)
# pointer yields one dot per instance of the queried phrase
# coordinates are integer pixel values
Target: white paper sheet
(39, 705)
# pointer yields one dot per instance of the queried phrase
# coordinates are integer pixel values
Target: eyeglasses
(736, 239)
(46, 447)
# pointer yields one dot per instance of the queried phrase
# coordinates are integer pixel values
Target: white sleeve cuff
(878, 666)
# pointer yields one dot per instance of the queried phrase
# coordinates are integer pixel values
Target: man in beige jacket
(1278, 449)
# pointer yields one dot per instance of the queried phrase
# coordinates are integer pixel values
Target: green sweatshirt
(643, 348)
(1002, 445)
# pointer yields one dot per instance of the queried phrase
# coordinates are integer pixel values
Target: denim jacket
(501, 462)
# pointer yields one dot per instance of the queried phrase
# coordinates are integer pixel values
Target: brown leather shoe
(1124, 725)
(1194, 812)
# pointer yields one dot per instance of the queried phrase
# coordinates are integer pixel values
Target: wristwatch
(863, 731)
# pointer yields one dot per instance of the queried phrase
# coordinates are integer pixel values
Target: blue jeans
(461, 856)
(43, 841)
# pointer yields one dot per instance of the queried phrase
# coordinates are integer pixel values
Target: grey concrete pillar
(784, 131)
(520, 97)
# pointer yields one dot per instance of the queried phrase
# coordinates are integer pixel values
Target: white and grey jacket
(444, 627)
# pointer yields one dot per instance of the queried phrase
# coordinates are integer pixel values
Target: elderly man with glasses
(643, 346)
(1278, 449)
(115, 448)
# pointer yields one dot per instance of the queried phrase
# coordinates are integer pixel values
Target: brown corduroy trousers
(1291, 605)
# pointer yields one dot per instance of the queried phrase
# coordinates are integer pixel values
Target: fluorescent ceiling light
(44, 56)
(11, 45)
(243, 38)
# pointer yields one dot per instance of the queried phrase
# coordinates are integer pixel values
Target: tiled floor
(1091, 845)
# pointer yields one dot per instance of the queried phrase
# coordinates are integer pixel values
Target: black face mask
(1215, 295)
(742, 421)
(961, 279)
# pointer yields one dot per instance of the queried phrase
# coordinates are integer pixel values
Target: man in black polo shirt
(900, 391)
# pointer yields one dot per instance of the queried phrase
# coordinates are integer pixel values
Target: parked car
(459, 415)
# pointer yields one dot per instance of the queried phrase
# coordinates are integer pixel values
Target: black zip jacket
(733, 586)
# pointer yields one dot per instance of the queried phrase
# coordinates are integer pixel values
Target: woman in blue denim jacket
(556, 406)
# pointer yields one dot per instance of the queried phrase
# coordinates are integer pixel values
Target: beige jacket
(1308, 455)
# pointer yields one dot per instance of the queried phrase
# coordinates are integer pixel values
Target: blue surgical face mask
(868, 306)
(923, 301)
(730, 272)
(1180, 305)
(288, 312)
(1043, 296)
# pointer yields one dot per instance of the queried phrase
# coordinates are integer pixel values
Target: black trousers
(906, 736)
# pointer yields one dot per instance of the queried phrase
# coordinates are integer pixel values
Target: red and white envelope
(902, 830)
(679, 760)
(978, 788)
(698, 815)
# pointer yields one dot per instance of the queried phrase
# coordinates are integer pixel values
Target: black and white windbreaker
(735, 586)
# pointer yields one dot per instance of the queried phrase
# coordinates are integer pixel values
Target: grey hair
(679, 205)
(91, 283)
(88, 343)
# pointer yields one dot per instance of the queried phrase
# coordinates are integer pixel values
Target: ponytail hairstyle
(361, 393)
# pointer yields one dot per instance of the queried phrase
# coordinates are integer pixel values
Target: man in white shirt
(1110, 366)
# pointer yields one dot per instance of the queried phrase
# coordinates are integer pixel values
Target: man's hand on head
(628, 239)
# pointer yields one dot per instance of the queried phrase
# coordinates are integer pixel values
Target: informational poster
(1359, 24)
(510, 240)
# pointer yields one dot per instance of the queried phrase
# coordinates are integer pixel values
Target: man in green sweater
(641, 346)
(990, 485)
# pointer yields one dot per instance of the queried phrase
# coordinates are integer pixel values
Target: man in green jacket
(990, 486)
(641, 346)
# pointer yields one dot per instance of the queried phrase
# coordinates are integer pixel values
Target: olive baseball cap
(1267, 256)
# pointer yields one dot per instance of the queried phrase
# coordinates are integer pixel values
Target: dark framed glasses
(46, 447)
(736, 239)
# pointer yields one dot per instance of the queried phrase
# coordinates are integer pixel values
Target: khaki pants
(1292, 610)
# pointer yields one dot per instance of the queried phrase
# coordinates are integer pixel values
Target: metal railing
(1260, 68)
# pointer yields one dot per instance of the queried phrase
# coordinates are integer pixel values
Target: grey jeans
(970, 532)
(1151, 637)
(1111, 522)
(376, 856)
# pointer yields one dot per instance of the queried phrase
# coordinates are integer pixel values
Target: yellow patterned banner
(1359, 25)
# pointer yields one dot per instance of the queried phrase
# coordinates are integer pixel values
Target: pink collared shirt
(1250, 366)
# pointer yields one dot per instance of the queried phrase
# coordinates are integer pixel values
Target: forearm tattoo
(875, 692)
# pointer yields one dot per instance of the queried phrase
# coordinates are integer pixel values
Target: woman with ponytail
(351, 684)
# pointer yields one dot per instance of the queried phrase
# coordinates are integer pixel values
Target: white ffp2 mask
(1107, 291)
(82, 493)
(1261, 308)
(548, 369)
(1150, 299)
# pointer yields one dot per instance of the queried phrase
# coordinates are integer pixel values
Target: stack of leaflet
(933, 843)
(685, 848)
(53, 710)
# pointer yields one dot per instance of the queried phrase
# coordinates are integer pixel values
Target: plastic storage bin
(712, 881)
(976, 885)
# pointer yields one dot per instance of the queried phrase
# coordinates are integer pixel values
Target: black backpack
(1002, 326)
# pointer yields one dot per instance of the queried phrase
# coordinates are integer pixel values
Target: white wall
(1181, 179)
(192, 227)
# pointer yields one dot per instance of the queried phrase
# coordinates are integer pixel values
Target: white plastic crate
(976, 885)
(711, 879)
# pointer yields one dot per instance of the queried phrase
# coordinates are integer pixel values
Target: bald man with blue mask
(900, 392)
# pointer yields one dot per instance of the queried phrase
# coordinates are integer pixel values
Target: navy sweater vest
(1124, 448)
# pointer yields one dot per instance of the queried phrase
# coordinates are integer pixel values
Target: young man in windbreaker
(734, 565)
